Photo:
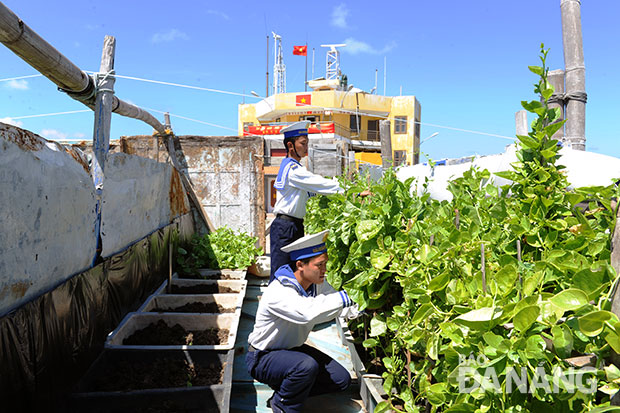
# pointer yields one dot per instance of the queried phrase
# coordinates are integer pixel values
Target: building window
(373, 130)
(400, 157)
(311, 118)
(353, 119)
(400, 124)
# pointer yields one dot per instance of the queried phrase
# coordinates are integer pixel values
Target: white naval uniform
(296, 186)
(286, 315)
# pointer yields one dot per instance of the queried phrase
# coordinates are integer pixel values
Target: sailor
(295, 185)
(290, 307)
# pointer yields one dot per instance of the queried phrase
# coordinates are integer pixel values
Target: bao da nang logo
(478, 373)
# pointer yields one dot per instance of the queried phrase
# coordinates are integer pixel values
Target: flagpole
(306, 81)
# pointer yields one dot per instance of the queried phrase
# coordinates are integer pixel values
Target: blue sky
(465, 61)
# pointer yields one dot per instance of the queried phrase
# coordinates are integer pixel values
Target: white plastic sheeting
(582, 168)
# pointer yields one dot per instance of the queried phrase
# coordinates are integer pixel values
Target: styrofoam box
(191, 322)
(237, 285)
(214, 398)
(172, 301)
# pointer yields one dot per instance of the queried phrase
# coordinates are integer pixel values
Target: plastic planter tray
(347, 340)
(213, 398)
(371, 391)
(238, 286)
(189, 321)
(172, 301)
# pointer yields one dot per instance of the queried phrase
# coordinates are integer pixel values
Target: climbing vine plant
(482, 303)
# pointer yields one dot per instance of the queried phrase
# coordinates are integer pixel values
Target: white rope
(19, 77)
(186, 86)
(51, 114)
(193, 120)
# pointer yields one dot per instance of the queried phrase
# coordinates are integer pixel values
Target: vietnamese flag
(303, 100)
(300, 50)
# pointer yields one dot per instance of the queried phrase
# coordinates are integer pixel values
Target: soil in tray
(208, 277)
(162, 335)
(157, 374)
(202, 289)
(196, 308)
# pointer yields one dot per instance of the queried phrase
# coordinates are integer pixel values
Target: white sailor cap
(308, 246)
(296, 129)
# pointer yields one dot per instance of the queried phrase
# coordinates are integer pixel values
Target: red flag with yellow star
(300, 50)
(303, 100)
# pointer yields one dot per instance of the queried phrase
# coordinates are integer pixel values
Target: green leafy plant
(516, 278)
(222, 248)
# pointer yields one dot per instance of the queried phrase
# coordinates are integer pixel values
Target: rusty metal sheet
(227, 174)
(47, 215)
(140, 195)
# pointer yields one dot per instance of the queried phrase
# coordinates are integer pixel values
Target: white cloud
(339, 16)
(219, 13)
(169, 36)
(17, 84)
(357, 47)
(12, 121)
(53, 134)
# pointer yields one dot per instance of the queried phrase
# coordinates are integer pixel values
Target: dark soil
(160, 373)
(160, 334)
(208, 277)
(196, 308)
(202, 289)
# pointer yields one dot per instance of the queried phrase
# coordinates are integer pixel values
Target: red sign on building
(303, 100)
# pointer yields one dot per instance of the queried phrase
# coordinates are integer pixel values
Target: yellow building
(352, 115)
(346, 118)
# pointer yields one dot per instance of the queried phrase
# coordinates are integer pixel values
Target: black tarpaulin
(47, 344)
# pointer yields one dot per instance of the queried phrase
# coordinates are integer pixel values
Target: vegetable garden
(481, 303)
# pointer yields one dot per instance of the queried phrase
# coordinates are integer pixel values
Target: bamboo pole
(519, 269)
(484, 272)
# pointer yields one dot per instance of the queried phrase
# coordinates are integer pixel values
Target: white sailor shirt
(295, 185)
(287, 313)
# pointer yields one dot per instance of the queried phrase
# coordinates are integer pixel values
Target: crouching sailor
(291, 306)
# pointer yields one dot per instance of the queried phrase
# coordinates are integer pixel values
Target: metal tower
(333, 61)
(279, 69)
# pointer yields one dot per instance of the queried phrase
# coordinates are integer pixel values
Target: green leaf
(537, 70)
(592, 324)
(379, 259)
(528, 142)
(526, 317)
(481, 318)
(422, 313)
(439, 283)
(562, 340)
(382, 407)
(570, 299)
(553, 128)
(367, 229)
(436, 394)
(370, 343)
(510, 175)
(378, 326)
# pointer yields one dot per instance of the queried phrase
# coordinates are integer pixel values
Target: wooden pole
(457, 219)
(483, 265)
(518, 269)
(386, 143)
(101, 134)
(575, 74)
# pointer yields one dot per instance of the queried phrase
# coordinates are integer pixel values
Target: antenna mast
(333, 61)
(279, 69)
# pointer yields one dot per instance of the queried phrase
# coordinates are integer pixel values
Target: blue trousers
(282, 233)
(296, 374)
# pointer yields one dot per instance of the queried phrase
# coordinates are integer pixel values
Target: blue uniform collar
(285, 167)
(286, 277)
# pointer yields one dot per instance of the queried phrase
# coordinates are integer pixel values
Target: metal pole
(306, 78)
(556, 79)
(267, 84)
(576, 96)
(521, 122)
(386, 143)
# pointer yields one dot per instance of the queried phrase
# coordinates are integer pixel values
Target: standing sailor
(287, 312)
(295, 185)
